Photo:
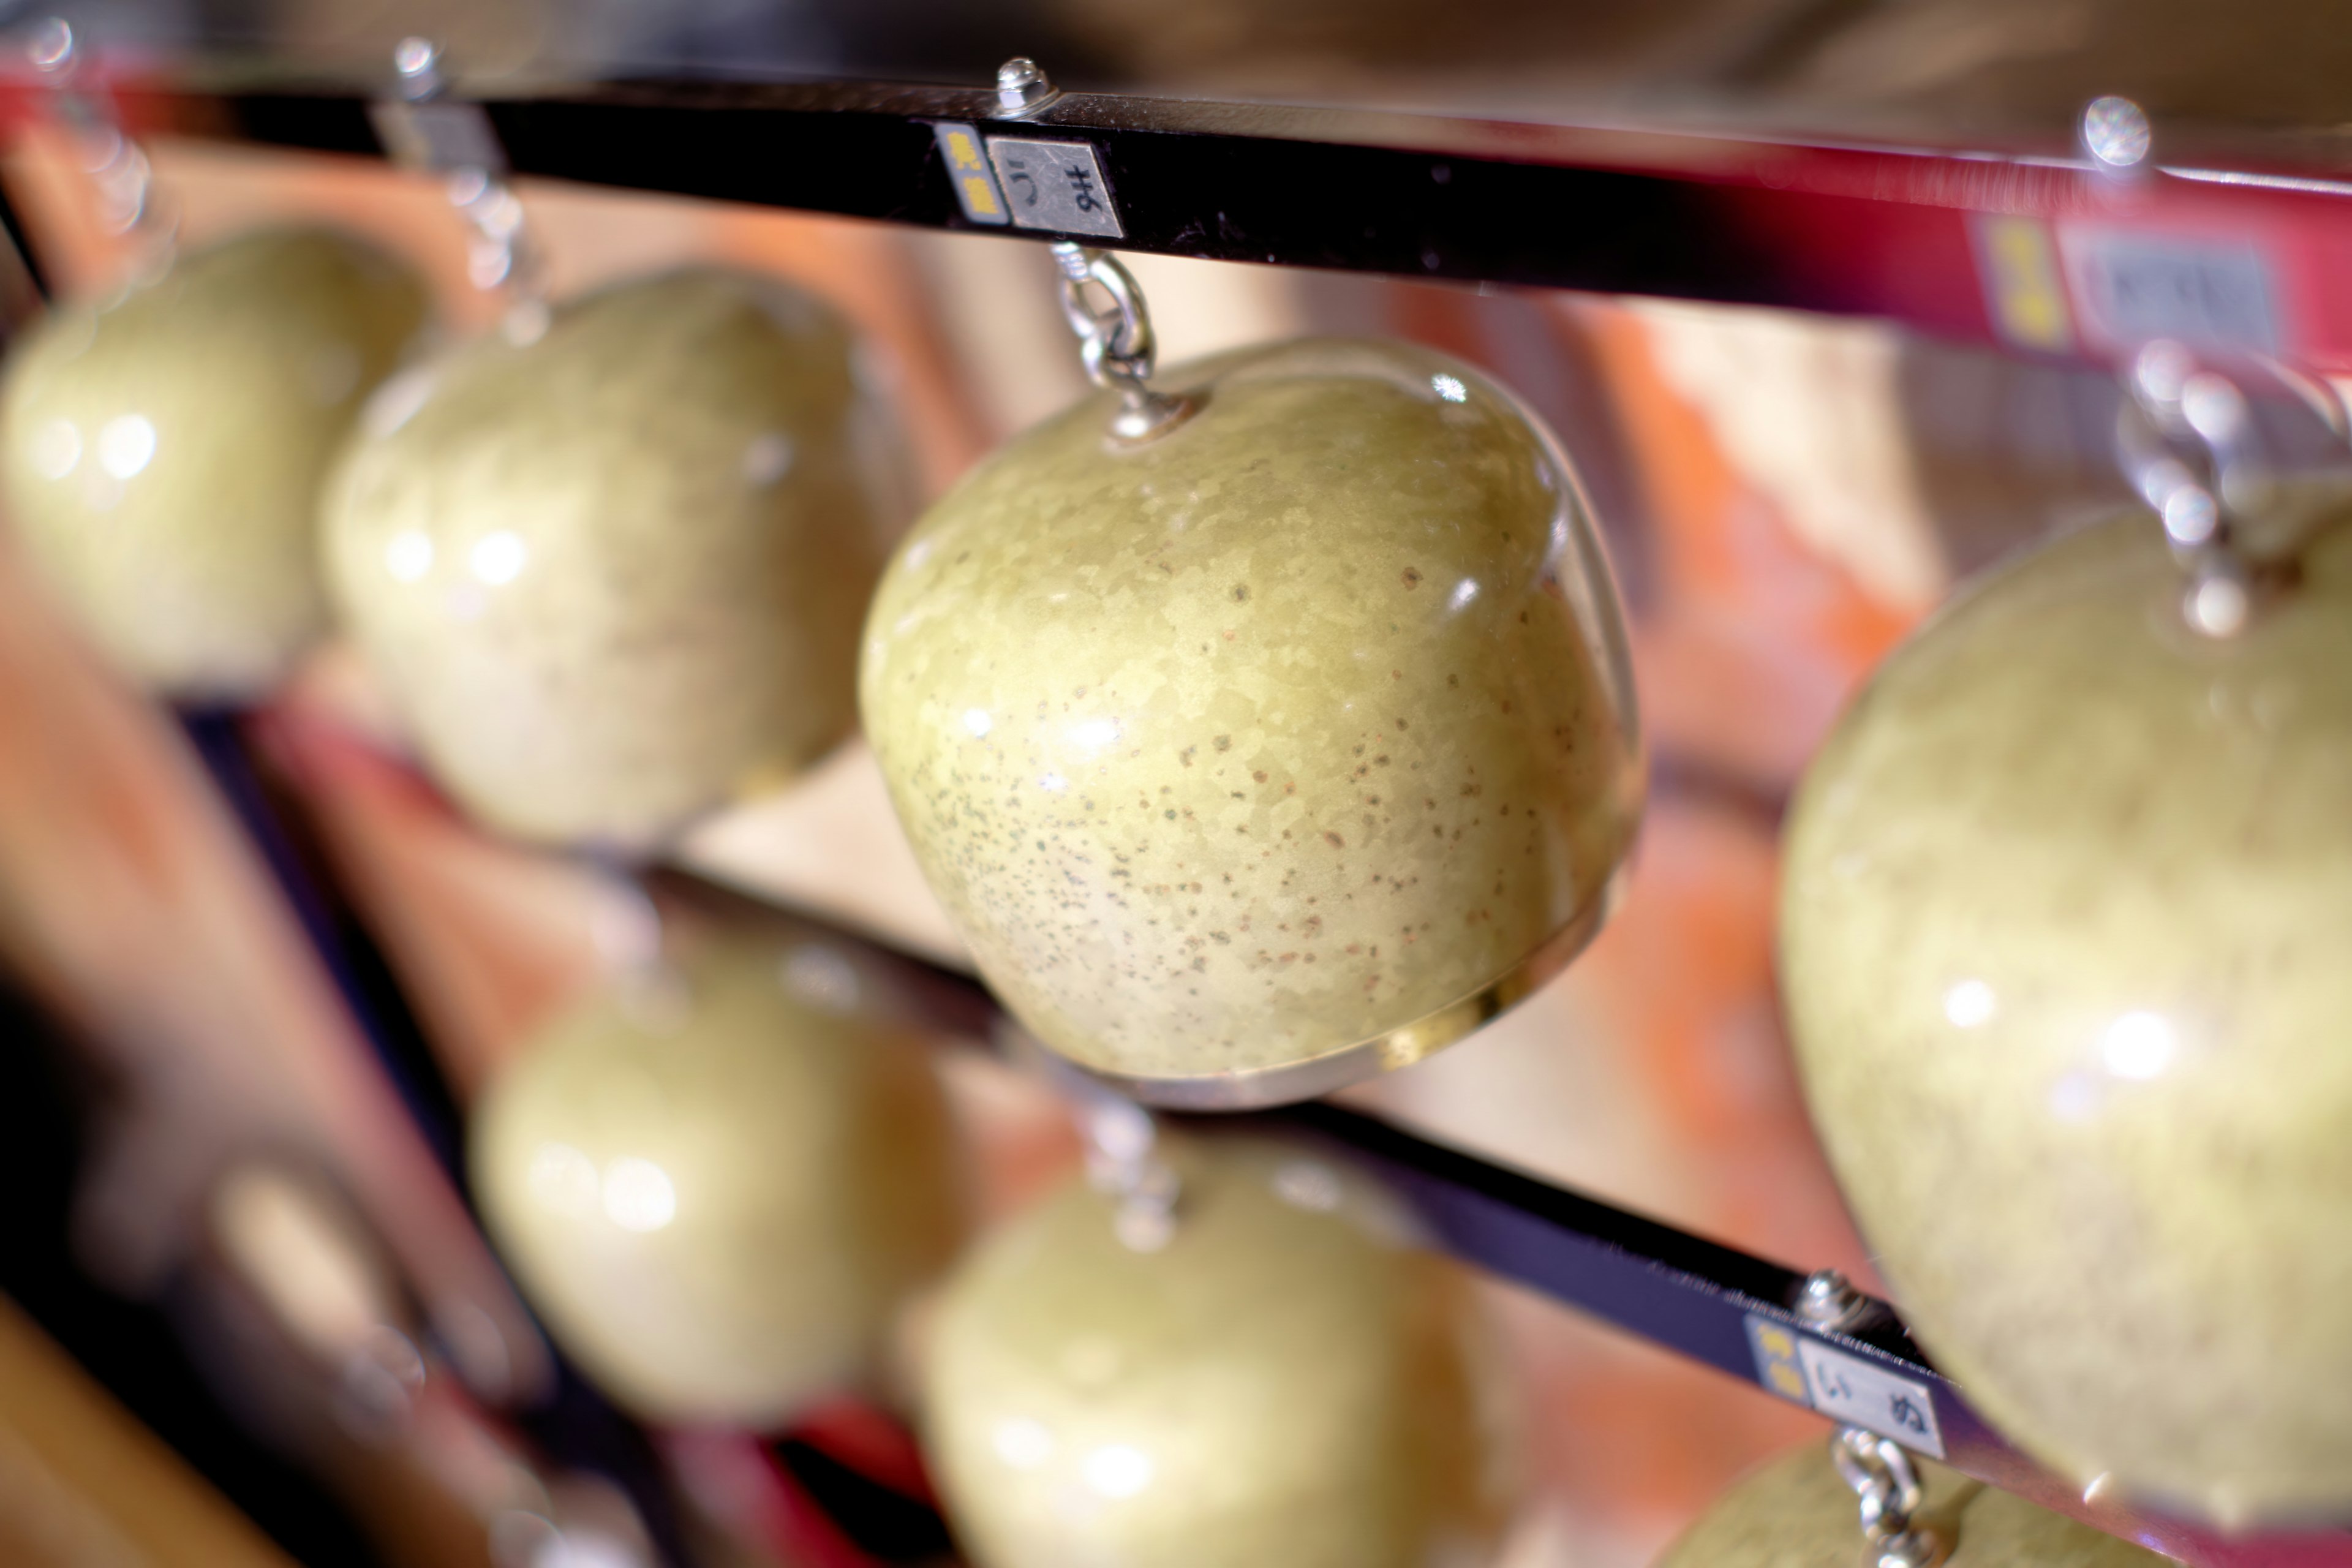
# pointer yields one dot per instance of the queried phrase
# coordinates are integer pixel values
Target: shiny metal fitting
(51, 49)
(1023, 89)
(2116, 134)
(1889, 1494)
(1116, 344)
(418, 61)
(1828, 1300)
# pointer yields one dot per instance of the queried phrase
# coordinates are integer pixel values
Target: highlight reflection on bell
(613, 577)
(162, 452)
(1285, 1381)
(2064, 921)
(1799, 1512)
(717, 1200)
(1279, 749)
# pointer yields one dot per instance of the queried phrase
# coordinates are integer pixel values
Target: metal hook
(1887, 1487)
(427, 131)
(1124, 1161)
(2186, 440)
(1115, 344)
(116, 164)
(1124, 1158)
(631, 939)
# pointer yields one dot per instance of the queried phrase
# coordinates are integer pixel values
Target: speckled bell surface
(1285, 1381)
(1282, 748)
(2064, 925)
(718, 1189)
(163, 452)
(613, 577)
(1799, 1512)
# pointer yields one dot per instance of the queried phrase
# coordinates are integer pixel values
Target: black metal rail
(2038, 254)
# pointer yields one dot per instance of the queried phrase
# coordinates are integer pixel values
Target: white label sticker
(1054, 185)
(2210, 293)
(1856, 1391)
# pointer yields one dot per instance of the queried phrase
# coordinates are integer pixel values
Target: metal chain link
(502, 253)
(117, 165)
(1124, 1161)
(1115, 338)
(1116, 341)
(1886, 1486)
(2178, 436)
(2187, 440)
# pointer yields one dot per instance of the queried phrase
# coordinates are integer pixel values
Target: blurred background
(238, 1231)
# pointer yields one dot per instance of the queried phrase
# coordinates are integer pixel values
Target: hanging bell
(1266, 733)
(1279, 1377)
(163, 452)
(719, 1184)
(2065, 908)
(613, 576)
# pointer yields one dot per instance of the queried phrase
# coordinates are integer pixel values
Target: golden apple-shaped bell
(1799, 1512)
(1282, 747)
(719, 1189)
(162, 452)
(1283, 1380)
(2064, 933)
(613, 577)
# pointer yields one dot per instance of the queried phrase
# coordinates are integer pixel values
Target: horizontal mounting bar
(2036, 254)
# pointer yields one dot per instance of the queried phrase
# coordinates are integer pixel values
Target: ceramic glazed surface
(1268, 738)
(719, 1202)
(1285, 1382)
(1798, 1512)
(615, 578)
(2065, 924)
(162, 453)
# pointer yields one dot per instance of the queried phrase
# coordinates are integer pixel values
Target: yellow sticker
(2023, 290)
(970, 174)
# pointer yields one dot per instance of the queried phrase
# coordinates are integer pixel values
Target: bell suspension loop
(631, 942)
(1105, 308)
(429, 130)
(117, 165)
(2188, 440)
(1125, 1158)
(1887, 1491)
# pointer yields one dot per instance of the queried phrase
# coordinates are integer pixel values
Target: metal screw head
(52, 45)
(415, 56)
(1021, 84)
(1829, 1300)
(418, 61)
(2115, 131)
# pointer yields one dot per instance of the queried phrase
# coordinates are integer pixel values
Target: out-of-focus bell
(163, 452)
(1280, 1378)
(613, 577)
(718, 1186)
